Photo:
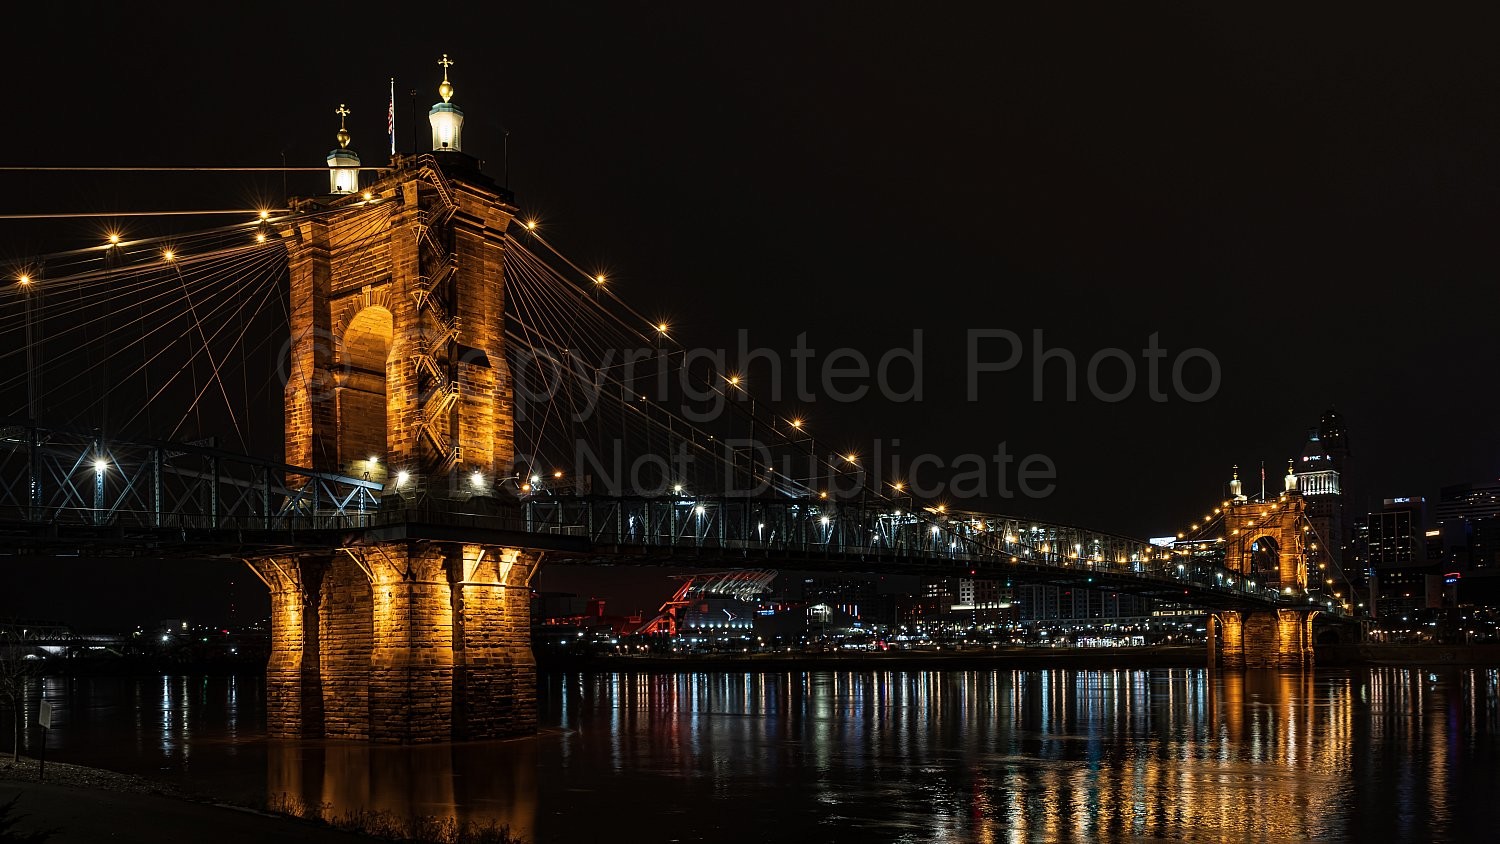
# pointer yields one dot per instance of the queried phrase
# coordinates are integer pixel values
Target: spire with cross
(445, 90)
(343, 112)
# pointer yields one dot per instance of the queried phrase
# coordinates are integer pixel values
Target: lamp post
(26, 290)
(34, 489)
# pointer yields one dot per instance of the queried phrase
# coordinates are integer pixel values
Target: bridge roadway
(73, 494)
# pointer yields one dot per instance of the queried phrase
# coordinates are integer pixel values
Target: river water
(1376, 754)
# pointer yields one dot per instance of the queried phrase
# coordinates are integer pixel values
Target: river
(949, 756)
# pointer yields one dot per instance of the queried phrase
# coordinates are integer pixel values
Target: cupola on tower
(446, 118)
(343, 163)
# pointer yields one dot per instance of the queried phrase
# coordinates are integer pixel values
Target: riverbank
(1351, 655)
(81, 805)
(969, 659)
(1366, 654)
(1031, 659)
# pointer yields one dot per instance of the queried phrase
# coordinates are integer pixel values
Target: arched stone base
(1262, 638)
(401, 642)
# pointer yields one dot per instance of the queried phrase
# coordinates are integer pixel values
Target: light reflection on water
(984, 756)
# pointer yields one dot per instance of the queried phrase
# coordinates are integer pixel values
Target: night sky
(1310, 197)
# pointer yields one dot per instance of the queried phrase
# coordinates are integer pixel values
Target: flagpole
(390, 116)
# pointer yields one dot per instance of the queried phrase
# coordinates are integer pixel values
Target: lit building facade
(1396, 549)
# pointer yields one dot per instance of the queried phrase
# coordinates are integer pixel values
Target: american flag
(390, 117)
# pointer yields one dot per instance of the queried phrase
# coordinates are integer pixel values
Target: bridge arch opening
(1265, 560)
(364, 351)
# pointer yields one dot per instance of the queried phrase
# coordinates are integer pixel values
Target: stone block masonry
(397, 369)
(401, 643)
(1263, 638)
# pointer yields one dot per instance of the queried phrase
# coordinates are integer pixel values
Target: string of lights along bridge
(460, 402)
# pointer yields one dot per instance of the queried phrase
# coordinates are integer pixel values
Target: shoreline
(1342, 655)
(1367, 655)
(78, 803)
(82, 803)
(956, 660)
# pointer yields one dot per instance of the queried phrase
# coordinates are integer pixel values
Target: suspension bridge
(395, 400)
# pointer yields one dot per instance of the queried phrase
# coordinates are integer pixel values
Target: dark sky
(1310, 196)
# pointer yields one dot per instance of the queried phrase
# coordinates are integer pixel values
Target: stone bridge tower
(1268, 542)
(397, 374)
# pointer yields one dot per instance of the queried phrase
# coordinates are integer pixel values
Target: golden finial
(445, 90)
(1236, 471)
(342, 111)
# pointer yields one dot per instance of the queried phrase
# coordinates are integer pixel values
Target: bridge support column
(1266, 638)
(494, 682)
(294, 696)
(401, 642)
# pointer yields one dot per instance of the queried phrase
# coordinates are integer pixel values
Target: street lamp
(25, 281)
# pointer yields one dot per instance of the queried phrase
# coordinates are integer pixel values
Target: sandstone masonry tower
(397, 374)
(1268, 542)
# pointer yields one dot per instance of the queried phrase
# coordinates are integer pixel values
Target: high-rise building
(1319, 482)
(983, 601)
(1397, 552)
(1468, 519)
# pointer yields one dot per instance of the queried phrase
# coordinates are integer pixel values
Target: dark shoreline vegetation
(388, 826)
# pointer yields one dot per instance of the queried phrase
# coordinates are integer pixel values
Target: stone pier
(401, 642)
(1279, 638)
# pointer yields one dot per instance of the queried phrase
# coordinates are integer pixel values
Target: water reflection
(913, 756)
(479, 782)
